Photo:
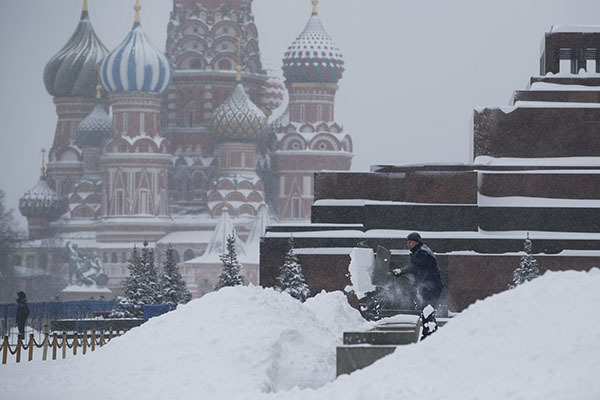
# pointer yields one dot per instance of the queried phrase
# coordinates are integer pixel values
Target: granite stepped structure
(535, 170)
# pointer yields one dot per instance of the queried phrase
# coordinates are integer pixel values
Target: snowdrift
(538, 341)
(229, 344)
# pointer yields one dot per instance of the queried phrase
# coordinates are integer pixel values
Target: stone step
(352, 358)
(391, 337)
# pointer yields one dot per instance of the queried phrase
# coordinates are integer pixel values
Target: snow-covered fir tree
(291, 279)
(174, 290)
(141, 285)
(231, 266)
(528, 268)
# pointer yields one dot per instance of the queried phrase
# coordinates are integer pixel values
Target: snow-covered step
(391, 337)
(352, 358)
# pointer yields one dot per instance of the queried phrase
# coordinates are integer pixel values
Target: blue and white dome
(136, 65)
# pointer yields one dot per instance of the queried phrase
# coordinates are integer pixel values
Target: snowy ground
(539, 341)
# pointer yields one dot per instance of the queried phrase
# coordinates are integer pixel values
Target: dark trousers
(428, 297)
(21, 326)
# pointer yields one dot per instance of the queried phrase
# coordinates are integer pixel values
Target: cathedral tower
(202, 43)
(238, 125)
(306, 138)
(70, 77)
(136, 156)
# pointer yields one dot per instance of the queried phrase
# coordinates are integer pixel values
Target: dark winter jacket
(22, 311)
(424, 267)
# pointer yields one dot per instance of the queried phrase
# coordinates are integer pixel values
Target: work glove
(396, 272)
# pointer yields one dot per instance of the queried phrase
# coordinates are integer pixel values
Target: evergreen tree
(9, 237)
(528, 268)
(141, 285)
(291, 279)
(231, 266)
(172, 284)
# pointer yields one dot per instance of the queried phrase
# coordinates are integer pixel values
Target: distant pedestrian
(426, 272)
(22, 313)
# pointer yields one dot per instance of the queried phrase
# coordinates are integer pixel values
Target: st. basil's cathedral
(181, 147)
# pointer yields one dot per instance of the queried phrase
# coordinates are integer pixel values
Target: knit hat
(415, 237)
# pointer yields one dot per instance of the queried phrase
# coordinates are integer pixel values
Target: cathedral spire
(137, 9)
(238, 77)
(85, 5)
(43, 172)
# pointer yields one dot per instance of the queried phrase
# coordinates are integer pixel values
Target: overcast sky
(414, 69)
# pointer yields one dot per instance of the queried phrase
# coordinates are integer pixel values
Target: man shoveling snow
(426, 272)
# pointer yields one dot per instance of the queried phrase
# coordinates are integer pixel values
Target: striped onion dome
(273, 90)
(238, 119)
(73, 71)
(42, 202)
(96, 126)
(136, 65)
(313, 56)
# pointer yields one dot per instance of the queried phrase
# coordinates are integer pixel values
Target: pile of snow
(362, 264)
(229, 344)
(538, 341)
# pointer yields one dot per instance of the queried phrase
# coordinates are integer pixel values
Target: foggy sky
(414, 69)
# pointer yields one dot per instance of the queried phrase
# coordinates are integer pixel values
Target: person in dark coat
(22, 313)
(424, 268)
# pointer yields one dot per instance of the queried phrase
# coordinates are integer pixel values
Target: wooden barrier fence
(52, 344)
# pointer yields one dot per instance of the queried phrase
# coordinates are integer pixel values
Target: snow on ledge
(535, 202)
(539, 162)
(575, 28)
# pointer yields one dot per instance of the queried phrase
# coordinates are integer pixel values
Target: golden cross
(43, 162)
(315, 4)
(137, 9)
(239, 61)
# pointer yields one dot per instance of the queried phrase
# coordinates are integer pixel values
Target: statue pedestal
(76, 292)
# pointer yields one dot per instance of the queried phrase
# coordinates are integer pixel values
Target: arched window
(195, 64)
(224, 65)
(176, 256)
(188, 255)
(319, 113)
(105, 258)
(302, 112)
(17, 260)
(124, 257)
(114, 258)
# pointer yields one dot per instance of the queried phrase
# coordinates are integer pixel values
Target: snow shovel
(382, 261)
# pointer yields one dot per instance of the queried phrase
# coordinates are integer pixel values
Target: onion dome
(73, 71)
(136, 65)
(95, 127)
(313, 56)
(238, 119)
(273, 90)
(42, 201)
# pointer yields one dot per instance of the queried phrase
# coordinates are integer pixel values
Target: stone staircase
(363, 348)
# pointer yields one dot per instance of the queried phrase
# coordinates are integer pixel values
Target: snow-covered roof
(217, 244)
(187, 237)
